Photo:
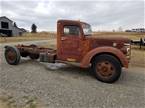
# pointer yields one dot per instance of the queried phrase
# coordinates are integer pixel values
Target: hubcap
(105, 69)
(11, 55)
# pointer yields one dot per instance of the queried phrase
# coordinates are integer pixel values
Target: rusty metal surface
(34, 49)
(105, 69)
(87, 58)
(78, 47)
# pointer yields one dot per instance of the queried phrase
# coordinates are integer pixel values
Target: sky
(103, 15)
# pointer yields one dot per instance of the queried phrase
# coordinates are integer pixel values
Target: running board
(67, 62)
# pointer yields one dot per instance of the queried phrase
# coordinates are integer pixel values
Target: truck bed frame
(35, 52)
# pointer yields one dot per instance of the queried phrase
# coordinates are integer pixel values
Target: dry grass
(28, 37)
(48, 35)
(137, 56)
(3, 105)
(10, 102)
(134, 36)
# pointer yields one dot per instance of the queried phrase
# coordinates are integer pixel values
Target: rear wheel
(12, 55)
(106, 68)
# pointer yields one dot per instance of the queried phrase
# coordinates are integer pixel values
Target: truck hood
(108, 41)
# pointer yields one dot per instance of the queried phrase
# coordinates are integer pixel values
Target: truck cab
(75, 40)
(71, 42)
(78, 45)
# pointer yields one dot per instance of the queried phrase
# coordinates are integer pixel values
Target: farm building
(138, 30)
(9, 28)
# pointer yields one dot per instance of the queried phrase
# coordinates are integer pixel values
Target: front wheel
(106, 68)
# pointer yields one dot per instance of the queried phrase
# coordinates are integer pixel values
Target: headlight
(114, 44)
(128, 49)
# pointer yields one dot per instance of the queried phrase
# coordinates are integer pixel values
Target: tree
(113, 30)
(33, 28)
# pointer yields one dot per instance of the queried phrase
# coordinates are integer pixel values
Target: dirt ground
(32, 84)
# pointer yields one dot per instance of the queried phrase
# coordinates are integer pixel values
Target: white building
(9, 28)
(138, 30)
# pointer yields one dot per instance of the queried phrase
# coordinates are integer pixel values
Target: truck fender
(108, 50)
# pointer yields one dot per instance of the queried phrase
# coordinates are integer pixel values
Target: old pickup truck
(76, 45)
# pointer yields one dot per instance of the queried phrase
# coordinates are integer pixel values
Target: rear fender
(109, 50)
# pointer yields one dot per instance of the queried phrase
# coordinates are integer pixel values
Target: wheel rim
(11, 55)
(105, 69)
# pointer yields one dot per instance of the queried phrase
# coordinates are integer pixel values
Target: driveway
(60, 85)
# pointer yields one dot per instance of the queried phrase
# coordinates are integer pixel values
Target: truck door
(70, 43)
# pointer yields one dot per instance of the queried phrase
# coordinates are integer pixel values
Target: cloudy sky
(101, 14)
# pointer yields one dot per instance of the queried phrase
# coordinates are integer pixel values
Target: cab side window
(71, 30)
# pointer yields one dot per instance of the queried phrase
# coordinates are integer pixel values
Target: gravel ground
(60, 85)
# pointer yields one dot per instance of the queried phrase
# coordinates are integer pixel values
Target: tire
(12, 55)
(34, 56)
(106, 68)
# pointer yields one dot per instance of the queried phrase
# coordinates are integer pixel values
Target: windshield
(87, 29)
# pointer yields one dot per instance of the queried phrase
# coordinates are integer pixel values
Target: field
(48, 35)
(137, 56)
(134, 36)
(28, 37)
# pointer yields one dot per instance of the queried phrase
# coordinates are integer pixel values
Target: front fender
(109, 50)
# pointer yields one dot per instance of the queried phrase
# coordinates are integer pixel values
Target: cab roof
(71, 21)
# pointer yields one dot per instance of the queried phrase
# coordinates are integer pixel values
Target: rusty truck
(106, 56)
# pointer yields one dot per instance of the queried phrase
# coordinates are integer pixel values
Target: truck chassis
(77, 46)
